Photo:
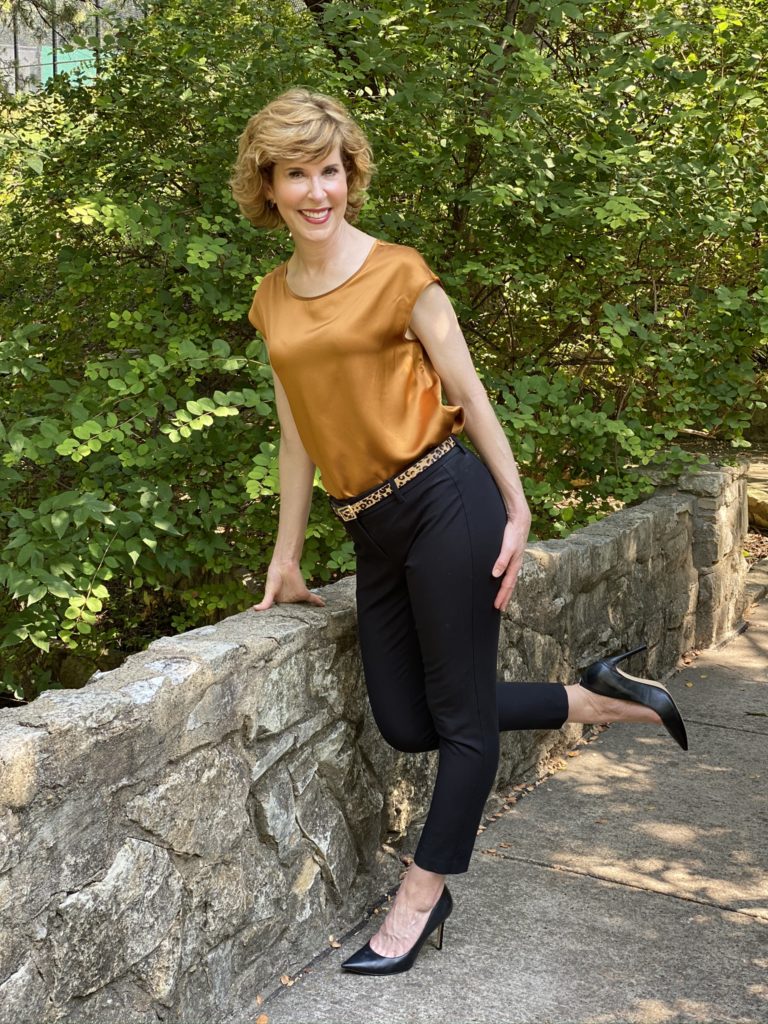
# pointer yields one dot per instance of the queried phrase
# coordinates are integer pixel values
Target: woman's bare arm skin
(297, 472)
(434, 322)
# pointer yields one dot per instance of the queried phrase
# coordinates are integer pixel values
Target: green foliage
(139, 471)
(586, 178)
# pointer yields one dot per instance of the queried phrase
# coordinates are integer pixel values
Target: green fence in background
(70, 60)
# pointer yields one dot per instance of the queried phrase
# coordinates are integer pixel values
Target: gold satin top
(366, 400)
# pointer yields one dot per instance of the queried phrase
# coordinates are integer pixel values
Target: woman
(361, 337)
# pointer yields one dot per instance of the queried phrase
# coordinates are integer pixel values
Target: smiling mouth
(316, 216)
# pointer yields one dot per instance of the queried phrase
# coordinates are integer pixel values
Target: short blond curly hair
(298, 125)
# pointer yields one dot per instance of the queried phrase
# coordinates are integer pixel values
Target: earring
(271, 204)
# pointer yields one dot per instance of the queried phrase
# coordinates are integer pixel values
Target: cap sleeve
(254, 314)
(416, 277)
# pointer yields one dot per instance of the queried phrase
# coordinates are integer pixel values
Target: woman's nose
(316, 187)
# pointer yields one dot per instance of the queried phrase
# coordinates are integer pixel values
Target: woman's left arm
(434, 322)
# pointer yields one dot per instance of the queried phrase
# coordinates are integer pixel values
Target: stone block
(266, 752)
(708, 545)
(544, 580)
(601, 549)
(380, 758)
(198, 808)
(590, 625)
(157, 973)
(671, 513)
(123, 1000)
(217, 899)
(304, 731)
(679, 606)
(22, 752)
(541, 655)
(24, 995)
(99, 932)
(722, 599)
(321, 674)
(581, 568)
(637, 528)
(758, 506)
(324, 826)
(705, 484)
(333, 750)
(204, 646)
(349, 699)
(742, 520)
(361, 802)
(60, 845)
(275, 812)
(677, 547)
(708, 505)
(282, 699)
(10, 828)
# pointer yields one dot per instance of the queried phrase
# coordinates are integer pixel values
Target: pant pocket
(364, 542)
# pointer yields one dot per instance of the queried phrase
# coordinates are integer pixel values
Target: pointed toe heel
(368, 961)
(606, 679)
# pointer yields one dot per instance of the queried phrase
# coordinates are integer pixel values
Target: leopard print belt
(350, 510)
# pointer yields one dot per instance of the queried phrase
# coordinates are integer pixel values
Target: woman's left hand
(510, 558)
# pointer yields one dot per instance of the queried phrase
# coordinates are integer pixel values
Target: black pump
(368, 961)
(605, 678)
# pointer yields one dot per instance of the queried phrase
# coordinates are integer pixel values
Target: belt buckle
(346, 512)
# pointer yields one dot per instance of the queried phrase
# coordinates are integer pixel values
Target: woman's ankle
(587, 708)
(422, 883)
(581, 707)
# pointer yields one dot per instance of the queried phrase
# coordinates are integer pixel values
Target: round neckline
(322, 295)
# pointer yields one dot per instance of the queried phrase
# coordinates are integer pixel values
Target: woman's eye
(294, 174)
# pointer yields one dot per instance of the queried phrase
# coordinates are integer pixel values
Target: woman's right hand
(286, 585)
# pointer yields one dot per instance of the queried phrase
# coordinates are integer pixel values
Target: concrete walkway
(629, 887)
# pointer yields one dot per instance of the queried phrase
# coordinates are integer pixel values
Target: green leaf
(36, 595)
(40, 640)
(59, 522)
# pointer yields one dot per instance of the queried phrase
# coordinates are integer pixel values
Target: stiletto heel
(368, 961)
(605, 678)
(618, 658)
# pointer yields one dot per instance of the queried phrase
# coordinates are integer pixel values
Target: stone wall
(184, 829)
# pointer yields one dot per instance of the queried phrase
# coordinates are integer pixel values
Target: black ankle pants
(429, 637)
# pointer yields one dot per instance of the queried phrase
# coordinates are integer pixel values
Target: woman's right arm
(297, 473)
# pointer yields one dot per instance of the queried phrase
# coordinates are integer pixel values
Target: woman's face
(311, 197)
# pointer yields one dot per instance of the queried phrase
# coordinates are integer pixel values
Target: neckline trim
(346, 281)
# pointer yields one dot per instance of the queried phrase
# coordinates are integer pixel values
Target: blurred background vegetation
(588, 179)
